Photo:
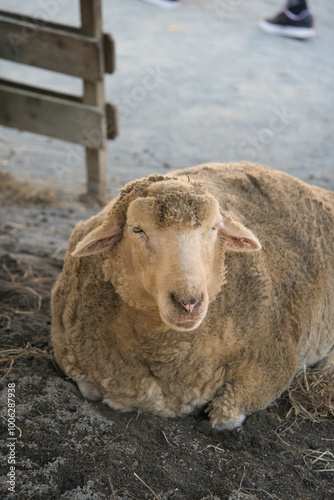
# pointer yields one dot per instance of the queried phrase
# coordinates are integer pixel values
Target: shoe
(164, 4)
(290, 25)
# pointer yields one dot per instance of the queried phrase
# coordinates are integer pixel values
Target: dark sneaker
(290, 25)
(164, 4)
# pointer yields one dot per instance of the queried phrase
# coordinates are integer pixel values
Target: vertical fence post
(96, 159)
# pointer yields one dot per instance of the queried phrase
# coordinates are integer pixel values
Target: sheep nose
(188, 304)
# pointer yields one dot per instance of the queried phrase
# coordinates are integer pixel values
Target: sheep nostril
(188, 304)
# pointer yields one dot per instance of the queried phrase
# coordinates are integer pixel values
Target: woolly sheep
(169, 302)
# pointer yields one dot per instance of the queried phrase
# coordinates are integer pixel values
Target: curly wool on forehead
(180, 202)
(175, 201)
(184, 208)
(131, 191)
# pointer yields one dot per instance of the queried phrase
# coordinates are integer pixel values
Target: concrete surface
(198, 84)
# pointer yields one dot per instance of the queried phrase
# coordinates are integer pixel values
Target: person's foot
(164, 4)
(290, 25)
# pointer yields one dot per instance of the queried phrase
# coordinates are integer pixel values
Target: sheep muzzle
(183, 311)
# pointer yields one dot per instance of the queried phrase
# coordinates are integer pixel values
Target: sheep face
(179, 262)
(170, 254)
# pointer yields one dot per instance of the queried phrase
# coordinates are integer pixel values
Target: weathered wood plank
(96, 162)
(112, 120)
(110, 108)
(57, 50)
(109, 53)
(40, 22)
(96, 159)
(56, 117)
(40, 90)
(108, 41)
(91, 17)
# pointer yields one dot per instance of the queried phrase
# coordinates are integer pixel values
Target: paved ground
(197, 84)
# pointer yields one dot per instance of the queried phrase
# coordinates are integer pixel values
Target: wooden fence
(85, 52)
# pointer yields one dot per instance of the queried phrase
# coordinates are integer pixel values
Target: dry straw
(9, 356)
(311, 394)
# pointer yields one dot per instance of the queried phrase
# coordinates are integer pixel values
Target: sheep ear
(97, 240)
(237, 237)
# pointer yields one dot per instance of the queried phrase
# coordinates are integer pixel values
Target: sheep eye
(137, 229)
(214, 228)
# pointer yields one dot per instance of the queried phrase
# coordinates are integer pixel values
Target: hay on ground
(311, 394)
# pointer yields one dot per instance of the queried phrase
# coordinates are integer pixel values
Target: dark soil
(69, 448)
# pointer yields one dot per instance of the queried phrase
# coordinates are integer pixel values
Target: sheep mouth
(186, 324)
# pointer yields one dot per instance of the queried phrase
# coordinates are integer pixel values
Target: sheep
(209, 288)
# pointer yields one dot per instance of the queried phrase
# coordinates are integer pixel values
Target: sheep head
(165, 241)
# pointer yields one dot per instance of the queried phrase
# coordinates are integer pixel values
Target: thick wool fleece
(270, 312)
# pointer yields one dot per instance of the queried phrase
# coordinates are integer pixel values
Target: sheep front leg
(225, 411)
(253, 383)
(239, 398)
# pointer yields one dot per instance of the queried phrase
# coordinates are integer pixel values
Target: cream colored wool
(210, 287)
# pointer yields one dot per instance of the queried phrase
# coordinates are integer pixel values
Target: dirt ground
(69, 448)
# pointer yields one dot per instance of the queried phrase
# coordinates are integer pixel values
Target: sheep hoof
(89, 390)
(225, 409)
(228, 425)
